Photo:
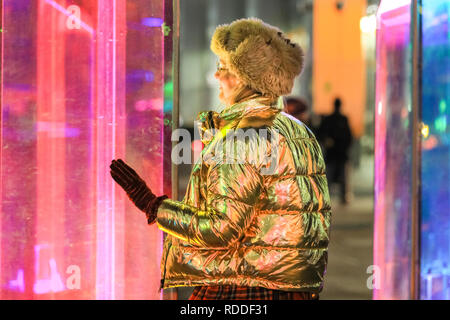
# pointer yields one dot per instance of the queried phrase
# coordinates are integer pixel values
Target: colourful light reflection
(152, 22)
(392, 158)
(18, 283)
(389, 5)
(64, 116)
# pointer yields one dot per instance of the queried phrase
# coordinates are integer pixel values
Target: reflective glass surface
(83, 82)
(393, 123)
(435, 184)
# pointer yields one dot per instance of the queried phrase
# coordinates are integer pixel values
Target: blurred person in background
(336, 138)
(240, 233)
(298, 108)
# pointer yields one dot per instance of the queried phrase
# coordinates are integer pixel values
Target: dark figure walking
(298, 108)
(336, 138)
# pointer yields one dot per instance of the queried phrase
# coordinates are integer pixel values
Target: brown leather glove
(136, 189)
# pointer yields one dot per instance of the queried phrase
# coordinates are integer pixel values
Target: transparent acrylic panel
(83, 82)
(392, 234)
(435, 202)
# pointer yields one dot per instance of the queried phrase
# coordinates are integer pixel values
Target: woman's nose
(216, 75)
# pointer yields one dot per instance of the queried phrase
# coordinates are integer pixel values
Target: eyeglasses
(220, 68)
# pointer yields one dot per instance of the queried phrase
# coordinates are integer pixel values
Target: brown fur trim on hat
(259, 54)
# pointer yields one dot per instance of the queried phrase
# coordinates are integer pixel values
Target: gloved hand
(136, 189)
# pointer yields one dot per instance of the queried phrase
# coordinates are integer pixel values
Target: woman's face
(227, 82)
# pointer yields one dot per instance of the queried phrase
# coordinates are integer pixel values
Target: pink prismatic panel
(393, 159)
(82, 82)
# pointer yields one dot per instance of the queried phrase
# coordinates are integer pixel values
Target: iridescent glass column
(435, 151)
(393, 152)
(83, 82)
(412, 150)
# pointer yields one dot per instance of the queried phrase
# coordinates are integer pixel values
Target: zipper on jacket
(165, 264)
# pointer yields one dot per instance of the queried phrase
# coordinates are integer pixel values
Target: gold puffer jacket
(238, 226)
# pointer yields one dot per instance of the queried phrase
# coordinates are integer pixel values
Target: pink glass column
(393, 156)
(83, 82)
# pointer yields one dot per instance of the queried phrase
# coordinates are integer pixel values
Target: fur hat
(259, 54)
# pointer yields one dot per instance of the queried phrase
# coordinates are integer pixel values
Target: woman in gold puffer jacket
(250, 224)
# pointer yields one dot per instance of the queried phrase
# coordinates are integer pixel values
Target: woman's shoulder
(292, 128)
